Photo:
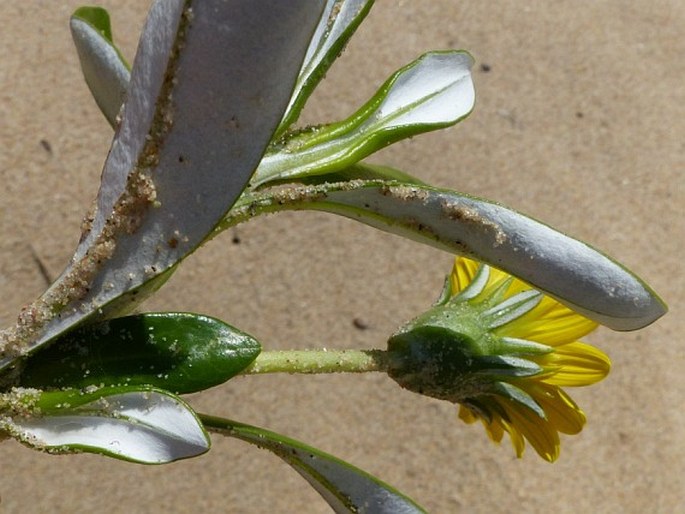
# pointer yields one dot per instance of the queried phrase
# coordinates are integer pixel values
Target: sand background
(580, 122)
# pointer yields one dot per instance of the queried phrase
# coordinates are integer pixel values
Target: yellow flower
(501, 350)
(568, 362)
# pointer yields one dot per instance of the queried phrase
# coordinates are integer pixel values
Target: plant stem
(320, 361)
(293, 197)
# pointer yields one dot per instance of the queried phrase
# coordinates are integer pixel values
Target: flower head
(503, 351)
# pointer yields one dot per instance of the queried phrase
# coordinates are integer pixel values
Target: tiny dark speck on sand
(360, 324)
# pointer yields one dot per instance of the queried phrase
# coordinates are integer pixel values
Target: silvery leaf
(209, 84)
(567, 269)
(345, 488)
(433, 92)
(148, 426)
(339, 21)
(104, 69)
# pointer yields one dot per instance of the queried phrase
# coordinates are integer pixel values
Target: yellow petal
(575, 364)
(558, 325)
(494, 429)
(562, 412)
(467, 415)
(517, 440)
(538, 431)
(549, 322)
(462, 274)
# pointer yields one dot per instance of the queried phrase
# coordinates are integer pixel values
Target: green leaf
(360, 171)
(476, 286)
(104, 68)
(505, 366)
(433, 92)
(98, 18)
(339, 21)
(511, 309)
(514, 346)
(143, 425)
(179, 352)
(346, 488)
(519, 396)
(571, 271)
(208, 88)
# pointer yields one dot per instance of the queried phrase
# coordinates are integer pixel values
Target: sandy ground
(579, 122)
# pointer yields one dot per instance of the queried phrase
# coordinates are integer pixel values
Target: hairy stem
(320, 361)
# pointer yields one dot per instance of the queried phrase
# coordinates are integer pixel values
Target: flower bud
(501, 350)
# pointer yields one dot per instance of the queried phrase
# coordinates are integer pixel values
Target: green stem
(290, 198)
(320, 361)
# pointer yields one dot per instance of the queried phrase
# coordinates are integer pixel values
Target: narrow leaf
(476, 286)
(505, 366)
(519, 396)
(565, 268)
(346, 488)
(179, 352)
(514, 346)
(571, 271)
(512, 308)
(360, 171)
(104, 69)
(433, 92)
(148, 426)
(339, 21)
(209, 85)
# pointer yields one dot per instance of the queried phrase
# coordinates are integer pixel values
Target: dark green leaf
(362, 171)
(346, 488)
(178, 352)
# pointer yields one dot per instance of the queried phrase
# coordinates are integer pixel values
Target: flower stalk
(492, 344)
(320, 361)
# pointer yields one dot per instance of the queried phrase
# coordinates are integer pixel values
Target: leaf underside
(347, 489)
